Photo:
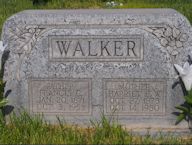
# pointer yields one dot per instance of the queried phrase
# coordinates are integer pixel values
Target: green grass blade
(188, 99)
(3, 102)
(182, 108)
(180, 118)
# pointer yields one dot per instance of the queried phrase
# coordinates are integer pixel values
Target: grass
(24, 129)
(10, 7)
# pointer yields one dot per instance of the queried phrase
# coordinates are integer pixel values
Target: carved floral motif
(25, 38)
(170, 37)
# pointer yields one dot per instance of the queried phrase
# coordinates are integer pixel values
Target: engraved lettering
(135, 96)
(96, 48)
(118, 48)
(104, 47)
(131, 48)
(80, 49)
(65, 96)
(62, 46)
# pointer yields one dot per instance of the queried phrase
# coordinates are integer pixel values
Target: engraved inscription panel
(63, 96)
(135, 96)
(96, 48)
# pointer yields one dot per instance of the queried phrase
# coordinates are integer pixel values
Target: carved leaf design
(176, 32)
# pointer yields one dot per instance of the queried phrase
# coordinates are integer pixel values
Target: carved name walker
(96, 48)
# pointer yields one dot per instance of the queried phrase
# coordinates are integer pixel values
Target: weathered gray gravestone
(77, 64)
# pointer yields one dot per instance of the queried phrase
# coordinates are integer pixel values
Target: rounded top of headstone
(97, 17)
(28, 14)
(101, 11)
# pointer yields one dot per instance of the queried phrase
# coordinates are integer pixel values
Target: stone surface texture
(139, 89)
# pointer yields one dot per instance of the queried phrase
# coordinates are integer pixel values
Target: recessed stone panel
(135, 96)
(60, 96)
(96, 48)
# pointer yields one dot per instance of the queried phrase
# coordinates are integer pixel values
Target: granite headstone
(78, 64)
